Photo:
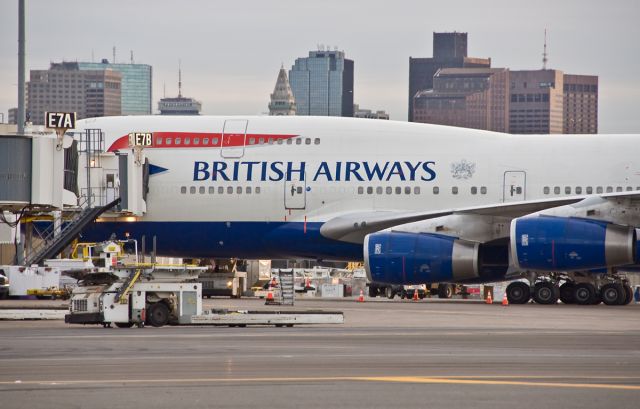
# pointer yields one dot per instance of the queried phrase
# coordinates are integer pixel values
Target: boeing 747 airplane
(418, 203)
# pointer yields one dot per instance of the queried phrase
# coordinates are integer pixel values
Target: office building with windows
(136, 84)
(368, 113)
(322, 84)
(449, 51)
(466, 97)
(64, 87)
(537, 102)
(580, 103)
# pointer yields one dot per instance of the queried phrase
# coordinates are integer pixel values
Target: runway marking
(388, 379)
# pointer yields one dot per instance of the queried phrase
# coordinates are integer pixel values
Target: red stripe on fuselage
(169, 140)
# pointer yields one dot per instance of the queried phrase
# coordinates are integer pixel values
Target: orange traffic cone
(415, 295)
(269, 299)
(361, 297)
(505, 300)
(489, 299)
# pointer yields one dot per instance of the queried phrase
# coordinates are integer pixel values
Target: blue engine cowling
(546, 243)
(415, 258)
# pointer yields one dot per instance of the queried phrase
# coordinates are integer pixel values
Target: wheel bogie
(546, 292)
(518, 292)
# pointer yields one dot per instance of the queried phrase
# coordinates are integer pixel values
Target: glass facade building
(322, 84)
(136, 85)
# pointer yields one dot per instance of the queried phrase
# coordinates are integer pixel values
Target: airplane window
(212, 190)
(389, 190)
(589, 190)
(168, 141)
(279, 141)
(567, 190)
(519, 190)
(436, 190)
(556, 190)
(214, 141)
(483, 190)
(379, 190)
(407, 190)
(629, 188)
(398, 190)
(261, 141)
(360, 190)
(183, 189)
(619, 189)
(205, 141)
(220, 190)
(316, 141)
(158, 141)
(454, 190)
(270, 141)
(299, 190)
(298, 141)
(178, 140)
(196, 141)
(609, 189)
(248, 190)
(474, 190)
(546, 190)
(187, 141)
(289, 141)
(230, 190)
(416, 190)
(369, 190)
(257, 189)
(239, 190)
(252, 141)
(192, 190)
(599, 189)
(201, 190)
(578, 190)
(307, 141)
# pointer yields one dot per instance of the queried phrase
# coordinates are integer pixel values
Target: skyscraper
(580, 103)
(322, 84)
(449, 51)
(537, 102)
(179, 105)
(64, 87)
(282, 100)
(136, 85)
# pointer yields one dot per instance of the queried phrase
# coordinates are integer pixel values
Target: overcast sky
(231, 51)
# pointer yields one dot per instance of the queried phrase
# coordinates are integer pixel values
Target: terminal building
(322, 84)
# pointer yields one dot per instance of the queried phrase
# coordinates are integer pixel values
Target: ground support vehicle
(442, 290)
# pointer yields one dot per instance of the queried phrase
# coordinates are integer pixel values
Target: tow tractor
(137, 294)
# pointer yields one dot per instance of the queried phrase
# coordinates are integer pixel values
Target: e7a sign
(57, 120)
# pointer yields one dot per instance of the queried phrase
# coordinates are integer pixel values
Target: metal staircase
(123, 292)
(52, 245)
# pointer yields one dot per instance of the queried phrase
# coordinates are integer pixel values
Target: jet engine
(413, 258)
(547, 243)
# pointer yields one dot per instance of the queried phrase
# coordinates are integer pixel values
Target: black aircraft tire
(124, 324)
(628, 294)
(518, 293)
(546, 293)
(584, 293)
(566, 293)
(445, 290)
(373, 292)
(613, 294)
(158, 315)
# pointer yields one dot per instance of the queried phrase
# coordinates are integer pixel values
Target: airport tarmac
(387, 354)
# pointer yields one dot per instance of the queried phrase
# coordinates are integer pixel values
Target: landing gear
(518, 293)
(628, 294)
(389, 293)
(445, 290)
(546, 292)
(584, 293)
(567, 293)
(613, 294)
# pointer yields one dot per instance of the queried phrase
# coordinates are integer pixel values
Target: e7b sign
(57, 120)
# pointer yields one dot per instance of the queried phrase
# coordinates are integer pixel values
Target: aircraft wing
(353, 227)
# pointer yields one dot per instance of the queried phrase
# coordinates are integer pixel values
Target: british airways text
(325, 171)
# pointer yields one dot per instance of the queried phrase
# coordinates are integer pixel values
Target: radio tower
(544, 54)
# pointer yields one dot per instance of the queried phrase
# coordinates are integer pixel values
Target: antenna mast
(179, 79)
(544, 54)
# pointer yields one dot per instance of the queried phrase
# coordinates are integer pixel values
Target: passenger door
(295, 193)
(514, 189)
(233, 138)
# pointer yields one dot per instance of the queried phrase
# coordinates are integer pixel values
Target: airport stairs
(52, 245)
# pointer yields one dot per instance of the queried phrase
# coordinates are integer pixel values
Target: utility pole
(21, 67)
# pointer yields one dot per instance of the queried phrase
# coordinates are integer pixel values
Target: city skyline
(231, 70)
